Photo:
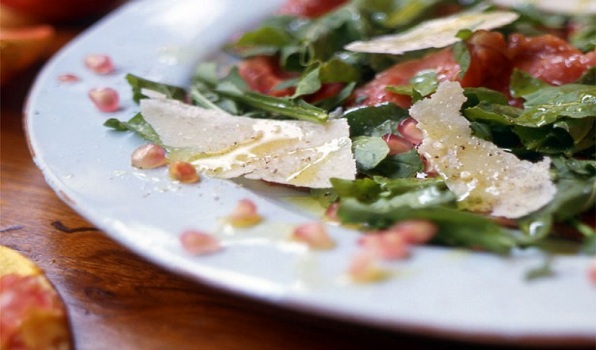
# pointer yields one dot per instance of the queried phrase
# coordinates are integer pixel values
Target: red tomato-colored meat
(490, 64)
(309, 8)
(489, 67)
(263, 74)
(375, 92)
(492, 61)
(550, 58)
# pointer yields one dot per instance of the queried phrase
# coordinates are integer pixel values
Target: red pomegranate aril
(100, 64)
(184, 172)
(415, 231)
(364, 268)
(149, 156)
(386, 244)
(198, 242)
(105, 99)
(313, 234)
(397, 144)
(428, 168)
(331, 212)
(245, 214)
(68, 78)
(592, 271)
(408, 129)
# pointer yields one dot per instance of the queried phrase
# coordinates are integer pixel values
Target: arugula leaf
(332, 102)
(492, 113)
(589, 246)
(401, 165)
(390, 187)
(421, 84)
(476, 95)
(138, 84)
(339, 69)
(576, 193)
(588, 78)
(293, 108)
(545, 140)
(376, 120)
(408, 12)
(462, 57)
(550, 104)
(274, 34)
(369, 151)
(136, 124)
(584, 34)
(266, 36)
(456, 228)
(309, 83)
(523, 83)
(543, 271)
(364, 190)
(232, 91)
(555, 119)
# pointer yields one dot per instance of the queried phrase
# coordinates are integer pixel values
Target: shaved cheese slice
(297, 153)
(435, 33)
(484, 177)
(572, 7)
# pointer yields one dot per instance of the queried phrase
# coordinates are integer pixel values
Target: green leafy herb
(138, 84)
(421, 84)
(462, 57)
(136, 124)
(456, 228)
(543, 271)
(550, 104)
(369, 151)
(374, 121)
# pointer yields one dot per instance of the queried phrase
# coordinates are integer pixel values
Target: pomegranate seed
(149, 156)
(105, 99)
(197, 242)
(505, 222)
(331, 212)
(386, 244)
(397, 144)
(100, 64)
(592, 271)
(364, 268)
(428, 168)
(313, 234)
(184, 172)
(245, 214)
(408, 129)
(68, 78)
(415, 231)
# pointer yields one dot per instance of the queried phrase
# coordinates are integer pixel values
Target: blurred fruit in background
(54, 11)
(32, 30)
(20, 47)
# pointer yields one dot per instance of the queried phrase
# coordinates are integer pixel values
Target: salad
(474, 117)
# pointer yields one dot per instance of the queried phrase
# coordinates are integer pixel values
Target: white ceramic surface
(446, 292)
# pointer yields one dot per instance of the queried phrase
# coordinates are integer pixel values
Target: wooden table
(116, 300)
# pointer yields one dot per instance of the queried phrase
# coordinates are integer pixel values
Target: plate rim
(293, 304)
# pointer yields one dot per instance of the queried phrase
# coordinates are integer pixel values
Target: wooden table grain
(117, 300)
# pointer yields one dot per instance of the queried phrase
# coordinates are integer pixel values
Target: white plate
(446, 292)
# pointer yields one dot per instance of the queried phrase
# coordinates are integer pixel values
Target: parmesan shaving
(435, 33)
(484, 177)
(297, 153)
(572, 7)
